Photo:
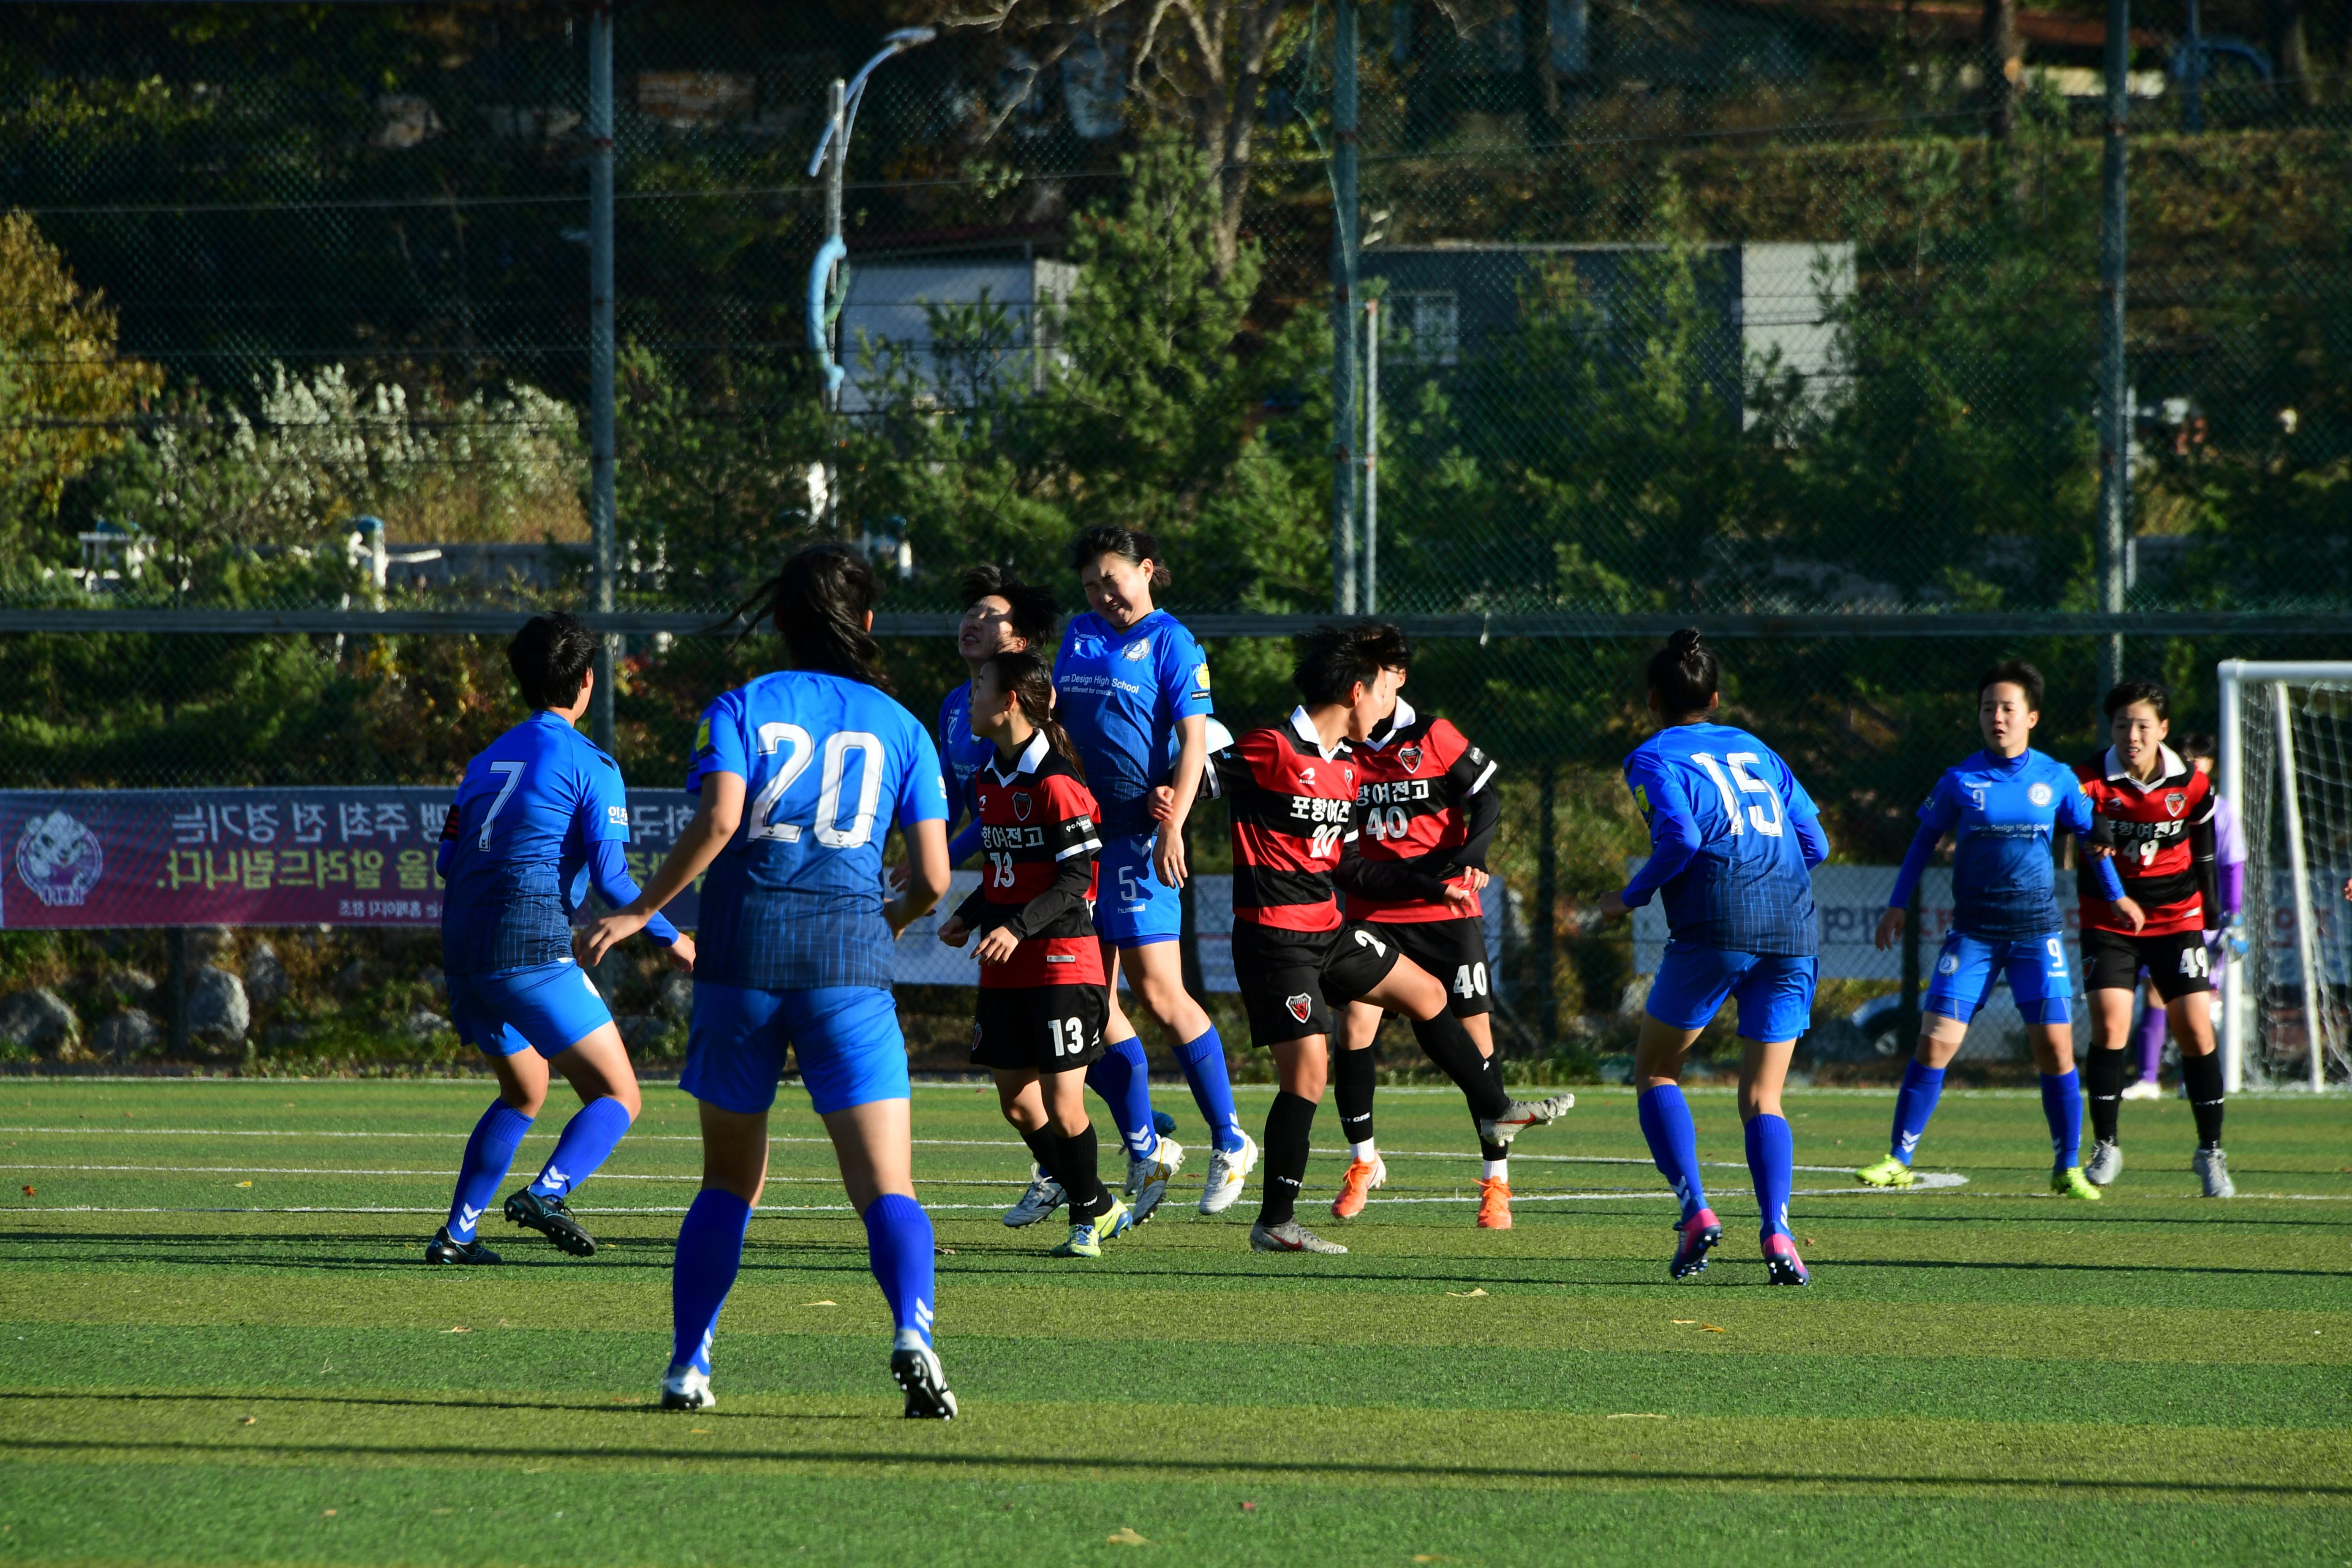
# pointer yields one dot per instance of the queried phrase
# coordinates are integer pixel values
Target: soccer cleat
(2105, 1164)
(1147, 1178)
(1889, 1172)
(441, 1249)
(2146, 1089)
(917, 1370)
(683, 1388)
(1782, 1264)
(1289, 1237)
(1225, 1174)
(2214, 1168)
(2069, 1183)
(1043, 1196)
(551, 1218)
(1695, 1235)
(1522, 1114)
(1362, 1176)
(1086, 1236)
(1494, 1204)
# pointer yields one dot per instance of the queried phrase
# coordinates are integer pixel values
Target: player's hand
(1168, 858)
(1890, 929)
(1459, 897)
(605, 935)
(1612, 906)
(952, 931)
(2348, 889)
(896, 915)
(996, 946)
(1163, 804)
(682, 951)
(2130, 913)
(2233, 937)
(1472, 877)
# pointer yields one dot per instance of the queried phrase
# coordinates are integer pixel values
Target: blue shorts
(1775, 993)
(2036, 968)
(548, 1008)
(1133, 908)
(846, 1038)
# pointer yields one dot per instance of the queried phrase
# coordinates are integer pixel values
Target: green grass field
(221, 1344)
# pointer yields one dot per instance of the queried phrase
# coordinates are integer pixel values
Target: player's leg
(2111, 964)
(1775, 1006)
(491, 1149)
(1123, 1078)
(1301, 1070)
(2182, 975)
(1455, 952)
(1406, 987)
(2147, 1041)
(1353, 1072)
(2044, 985)
(1684, 996)
(1095, 1213)
(1965, 971)
(1022, 1101)
(560, 1011)
(1155, 969)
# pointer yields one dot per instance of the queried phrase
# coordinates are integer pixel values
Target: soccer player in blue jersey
(2003, 806)
(802, 774)
(1131, 685)
(1733, 841)
(540, 814)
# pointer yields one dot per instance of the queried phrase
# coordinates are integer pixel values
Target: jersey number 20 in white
(801, 750)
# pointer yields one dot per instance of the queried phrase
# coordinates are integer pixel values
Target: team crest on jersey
(1302, 1006)
(1948, 964)
(2039, 795)
(2175, 801)
(1411, 757)
(1137, 650)
(1021, 803)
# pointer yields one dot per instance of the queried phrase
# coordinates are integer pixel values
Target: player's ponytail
(819, 602)
(1030, 680)
(1684, 674)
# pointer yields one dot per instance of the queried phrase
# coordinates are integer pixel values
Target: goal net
(2287, 766)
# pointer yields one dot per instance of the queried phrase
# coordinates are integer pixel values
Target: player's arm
(1938, 814)
(967, 916)
(2201, 860)
(1813, 840)
(1673, 839)
(445, 854)
(715, 821)
(1184, 686)
(921, 812)
(2095, 838)
(608, 872)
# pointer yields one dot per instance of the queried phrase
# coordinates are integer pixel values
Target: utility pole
(1371, 562)
(2115, 377)
(1344, 417)
(600, 349)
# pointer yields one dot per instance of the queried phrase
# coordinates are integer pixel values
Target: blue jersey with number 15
(829, 766)
(1728, 823)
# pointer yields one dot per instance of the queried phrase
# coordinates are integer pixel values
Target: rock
(136, 984)
(218, 1010)
(38, 1020)
(208, 942)
(676, 997)
(131, 1033)
(265, 976)
(424, 1024)
(640, 1030)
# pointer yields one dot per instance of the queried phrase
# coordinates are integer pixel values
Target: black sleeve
(973, 911)
(1484, 812)
(1071, 879)
(2201, 856)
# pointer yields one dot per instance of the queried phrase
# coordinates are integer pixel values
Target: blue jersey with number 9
(829, 766)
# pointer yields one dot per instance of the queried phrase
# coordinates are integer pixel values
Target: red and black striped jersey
(1293, 805)
(1038, 844)
(2163, 836)
(1417, 781)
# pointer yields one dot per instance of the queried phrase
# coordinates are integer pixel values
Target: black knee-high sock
(1288, 1126)
(1445, 1042)
(2201, 1076)
(1351, 1086)
(2107, 1083)
(1046, 1149)
(1080, 1172)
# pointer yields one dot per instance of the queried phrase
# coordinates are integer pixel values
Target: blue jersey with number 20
(1729, 829)
(829, 766)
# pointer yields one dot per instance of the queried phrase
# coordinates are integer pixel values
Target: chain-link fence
(1782, 318)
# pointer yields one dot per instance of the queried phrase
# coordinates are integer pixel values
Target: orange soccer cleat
(1494, 1204)
(1362, 1176)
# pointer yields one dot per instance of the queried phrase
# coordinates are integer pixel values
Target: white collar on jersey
(1401, 720)
(1031, 755)
(1305, 729)
(2172, 768)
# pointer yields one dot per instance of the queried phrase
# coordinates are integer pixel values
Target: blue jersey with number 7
(1733, 840)
(829, 766)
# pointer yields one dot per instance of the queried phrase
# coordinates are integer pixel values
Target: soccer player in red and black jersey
(1429, 816)
(1291, 793)
(1042, 996)
(2157, 812)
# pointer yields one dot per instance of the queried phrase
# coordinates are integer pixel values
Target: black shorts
(1046, 1028)
(1291, 980)
(2178, 964)
(1453, 950)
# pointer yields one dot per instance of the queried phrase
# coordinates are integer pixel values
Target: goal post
(2286, 766)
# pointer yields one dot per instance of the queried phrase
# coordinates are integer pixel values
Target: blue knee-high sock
(1124, 1080)
(1772, 1167)
(1673, 1142)
(898, 1248)
(1914, 1103)
(1213, 1089)
(587, 1140)
(488, 1152)
(2062, 1107)
(710, 1252)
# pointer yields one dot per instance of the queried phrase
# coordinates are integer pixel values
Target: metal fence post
(1344, 570)
(2115, 379)
(1372, 562)
(600, 346)
(1547, 932)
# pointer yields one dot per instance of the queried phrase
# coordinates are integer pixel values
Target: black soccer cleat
(553, 1219)
(917, 1371)
(441, 1249)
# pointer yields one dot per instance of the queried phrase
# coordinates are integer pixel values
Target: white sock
(1363, 1151)
(1494, 1170)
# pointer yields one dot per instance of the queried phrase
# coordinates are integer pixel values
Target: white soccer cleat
(1225, 1174)
(1522, 1114)
(1147, 1178)
(2105, 1164)
(2213, 1167)
(1289, 1237)
(683, 1388)
(2146, 1089)
(1043, 1196)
